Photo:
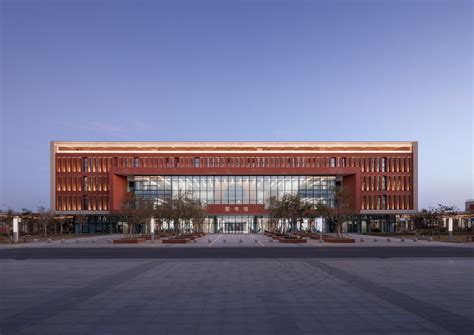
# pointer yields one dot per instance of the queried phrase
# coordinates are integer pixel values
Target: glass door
(233, 224)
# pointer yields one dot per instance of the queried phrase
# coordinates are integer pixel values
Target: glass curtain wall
(236, 189)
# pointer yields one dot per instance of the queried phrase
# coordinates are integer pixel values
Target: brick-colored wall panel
(379, 180)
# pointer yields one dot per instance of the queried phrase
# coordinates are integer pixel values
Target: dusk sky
(237, 71)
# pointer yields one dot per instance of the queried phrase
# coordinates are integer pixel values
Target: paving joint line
(218, 237)
(440, 317)
(31, 316)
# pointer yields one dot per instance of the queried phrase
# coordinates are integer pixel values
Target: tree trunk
(45, 230)
(339, 229)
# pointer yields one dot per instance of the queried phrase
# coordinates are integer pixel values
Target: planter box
(292, 240)
(130, 240)
(339, 240)
(318, 237)
(175, 241)
(304, 235)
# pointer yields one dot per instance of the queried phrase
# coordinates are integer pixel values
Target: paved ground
(234, 240)
(233, 252)
(233, 246)
(237, 296)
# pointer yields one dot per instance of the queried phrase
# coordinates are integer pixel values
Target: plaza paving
(237, 296)
(233, 240)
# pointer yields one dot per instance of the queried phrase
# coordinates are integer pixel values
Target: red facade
(92, 176)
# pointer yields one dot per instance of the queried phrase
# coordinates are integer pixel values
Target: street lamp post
(321, 231)
(450, 228)
(152, 229)
(16, 220)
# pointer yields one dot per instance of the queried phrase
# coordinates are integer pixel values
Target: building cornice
(233, 147)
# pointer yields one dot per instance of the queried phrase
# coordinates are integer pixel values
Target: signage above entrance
(232, 209)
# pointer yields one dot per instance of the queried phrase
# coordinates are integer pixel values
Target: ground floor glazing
(232, 224)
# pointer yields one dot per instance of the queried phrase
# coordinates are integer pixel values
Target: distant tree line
(42, 222)
(431, 218)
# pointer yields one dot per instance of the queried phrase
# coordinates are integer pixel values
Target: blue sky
(237, 70)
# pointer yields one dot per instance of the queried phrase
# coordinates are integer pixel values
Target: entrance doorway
(234, 224)
(235, 227)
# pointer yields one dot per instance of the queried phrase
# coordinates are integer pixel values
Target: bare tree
(81, 219)
(182, 210)
(137, 210)
(343, 208)
(26, 218)
(430, 218)
(444, 211)
(317, 211)
(291, 208)
(45, 216)
(165, 212)
(62, 220)
(9, 214)
(178, 212)
(198, 213)
(274, 210)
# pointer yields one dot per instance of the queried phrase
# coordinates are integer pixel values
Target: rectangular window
(333, 162)
(85, 202)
